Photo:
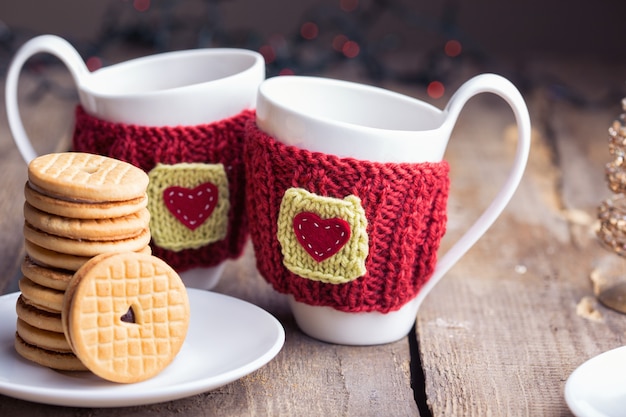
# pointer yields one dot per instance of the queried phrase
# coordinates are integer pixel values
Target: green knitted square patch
(188, 204)
(323, 238)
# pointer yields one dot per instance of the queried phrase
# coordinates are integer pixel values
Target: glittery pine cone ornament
(612, 211)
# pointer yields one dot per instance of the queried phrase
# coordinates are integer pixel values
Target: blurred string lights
(329, 34)
(350, 31)
(380, 39)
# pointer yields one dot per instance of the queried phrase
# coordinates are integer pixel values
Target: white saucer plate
(227, 339)
(597, 388)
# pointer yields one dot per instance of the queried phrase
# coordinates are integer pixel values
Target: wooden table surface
(498, 336)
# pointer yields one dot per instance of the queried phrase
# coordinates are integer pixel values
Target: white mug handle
(46, 43)
(485, 83)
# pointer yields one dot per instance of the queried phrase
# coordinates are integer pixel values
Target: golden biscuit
(48, 277)
(78, 206)
(44, 339)
(90, 229)
(86, 177)
(38, 318)
(62, 361)
(126, 316)
(83, 210)
(83, 247)
(50, 258)
(41, 297)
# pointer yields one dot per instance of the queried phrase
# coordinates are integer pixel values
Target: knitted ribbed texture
(405, 208)
(144, 146)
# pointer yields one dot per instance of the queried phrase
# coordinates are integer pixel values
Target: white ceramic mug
(352, 120)
(182, 88)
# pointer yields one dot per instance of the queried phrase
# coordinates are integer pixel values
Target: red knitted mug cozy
(196, 190)
(355, 235)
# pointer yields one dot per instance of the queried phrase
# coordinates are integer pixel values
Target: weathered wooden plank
(315, 378)
(307, 378)
(501, 333)
(12, 183)
(48, 122)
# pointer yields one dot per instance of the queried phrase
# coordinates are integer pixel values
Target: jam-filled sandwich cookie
(125, 316)
(80, 247)
(62, 361)
(39, 333)
(82, 177)
(77, 206)
(80, 205)
(103, 229)
(53, 259)
(54, 278)
(36, 317)
(43, 298)
(81, 209)
(39, 338)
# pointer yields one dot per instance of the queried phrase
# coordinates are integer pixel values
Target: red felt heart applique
(191, 207)
(321, 238)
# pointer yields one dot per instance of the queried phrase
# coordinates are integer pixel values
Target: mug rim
(330, 82)
(257, 61)
(415, 140)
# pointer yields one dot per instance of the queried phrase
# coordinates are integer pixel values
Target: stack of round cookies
(77, 206)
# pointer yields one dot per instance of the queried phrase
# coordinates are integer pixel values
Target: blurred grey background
(401, 40)
(520, 27)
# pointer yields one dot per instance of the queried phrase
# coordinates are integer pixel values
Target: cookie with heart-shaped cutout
(125, 316)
